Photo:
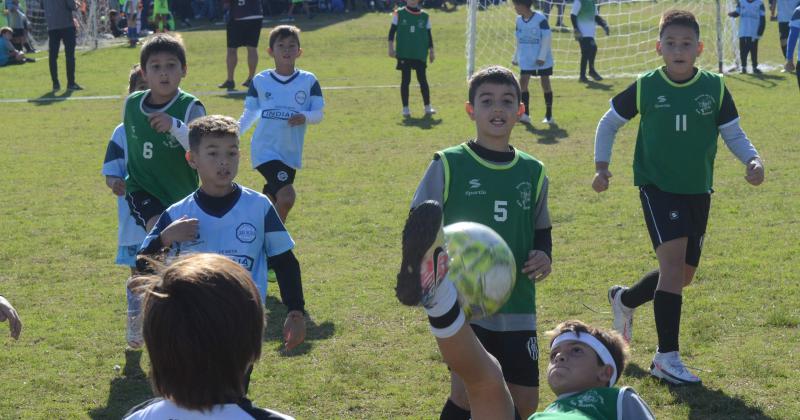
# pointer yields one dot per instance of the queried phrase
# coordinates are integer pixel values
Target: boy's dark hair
(612, 340)
(284, 31)
(213, 126)
(203, 325)
(527, 3)
(112, 13)
(5, 29)
(678, 18)
(163, 43)
(134, 78)
(492, 74)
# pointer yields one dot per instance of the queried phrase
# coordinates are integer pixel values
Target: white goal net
(627, 51)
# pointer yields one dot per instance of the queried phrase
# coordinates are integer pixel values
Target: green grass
(367, 356)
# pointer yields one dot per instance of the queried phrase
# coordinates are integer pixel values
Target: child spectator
(534, 56)
(584, 17)
(129, 235)
(285, 100)
(231, 220)
(412, 26)
(114, 20)
(752, 21)
(683, 111)
(488, 181)
(198, 363)
(157, 133)
(8, 53)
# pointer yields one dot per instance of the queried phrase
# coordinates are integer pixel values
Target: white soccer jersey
(533, 42)
(158, 409)
(248, 233)
(115, 164)
(786, 8)
(272, 101)
(749, 14)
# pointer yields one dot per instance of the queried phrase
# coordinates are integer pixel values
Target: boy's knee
(286, 196)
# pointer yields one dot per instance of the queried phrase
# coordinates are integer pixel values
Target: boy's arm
(735, 138)
(573, 17)
(314, 114)
(180, 129)
(623, 108)
(251, 110)
(287, 271)
(392, 32)
(603, 24)
(539, 262)
(431, 187)
(762, 20)
(546, 42)
(634, 407)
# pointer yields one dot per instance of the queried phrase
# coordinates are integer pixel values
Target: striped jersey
(115, 164)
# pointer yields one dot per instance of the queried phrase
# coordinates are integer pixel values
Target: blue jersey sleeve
(276, 238)
(114, 163)
(152, 244)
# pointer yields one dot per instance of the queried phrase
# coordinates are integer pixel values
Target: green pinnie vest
(677, 140)
(157, 161)
(592, 404)
(501, 196)
(412, 35)
(587, 12)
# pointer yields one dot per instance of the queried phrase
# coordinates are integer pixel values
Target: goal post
(627, 51)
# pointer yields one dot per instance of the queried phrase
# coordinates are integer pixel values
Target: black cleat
(422, 245)
(595, 76)
(228, 84)
(74, 86)
(247, 82)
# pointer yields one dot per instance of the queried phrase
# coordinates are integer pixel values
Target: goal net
(627, 51)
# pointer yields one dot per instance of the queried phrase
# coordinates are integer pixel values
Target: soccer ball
(482, 267)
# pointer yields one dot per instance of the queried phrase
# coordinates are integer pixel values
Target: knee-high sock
(754, 53)
(667, 311)
(451, 411)
(405, 81)
(548, 103)
(641, 292)
(422, 79)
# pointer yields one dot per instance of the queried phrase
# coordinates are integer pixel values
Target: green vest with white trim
(592, 404)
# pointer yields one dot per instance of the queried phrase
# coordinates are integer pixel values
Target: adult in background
(61, 27)
(243, 30)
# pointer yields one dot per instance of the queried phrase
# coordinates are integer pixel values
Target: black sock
(641, 292)
(783, 49)
(548, 103)
(667, 310)
(453, 412)
(526, 99)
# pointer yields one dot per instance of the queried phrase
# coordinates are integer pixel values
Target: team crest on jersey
(300, 97)
(524, 201)
(705, 104)
(588, 399)
(246, 233)
(282, 176)
(533, 348)
(674, 215)
(267, 95)
(474, 188)
(170, 141)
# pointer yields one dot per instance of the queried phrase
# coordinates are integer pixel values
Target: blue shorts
(126, 255)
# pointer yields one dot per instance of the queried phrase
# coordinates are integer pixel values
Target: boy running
(683, 111)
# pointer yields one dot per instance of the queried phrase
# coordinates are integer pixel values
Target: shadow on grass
(591, 84)
(127, 390)
(548, 135)
(273, 333)
(50, 98)
(763, 80)
(426, 123)
(704, 403)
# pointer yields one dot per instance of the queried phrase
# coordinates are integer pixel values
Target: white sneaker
(623, 315)
(549, 121)
(525, 118)
(406, 112)
(670, 367)
(429, 110)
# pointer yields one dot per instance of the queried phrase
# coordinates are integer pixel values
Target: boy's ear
(658, 47)
(299, 52)
(270, 52)
(700, 47)
(190, 159)
(185, 70)
(470, 110)
(521, 109)
(604, 374)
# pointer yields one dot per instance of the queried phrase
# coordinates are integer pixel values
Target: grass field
(367, 356)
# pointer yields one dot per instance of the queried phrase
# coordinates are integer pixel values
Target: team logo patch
(246, 233)
(282, 176)
(661, 102)
(474, 183)
(524, 201)
(674, 215)
(589, 399)
(300, 97)
(267, 95)
(533, 348)
(705, 104)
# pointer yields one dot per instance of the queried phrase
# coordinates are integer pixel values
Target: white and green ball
(482, 267)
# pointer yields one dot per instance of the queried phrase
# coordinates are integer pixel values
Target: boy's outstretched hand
(294, 329)
(600, 181)
(117, 185)
(755, 171)
(7, 312)
(538, 265)
(160, 121)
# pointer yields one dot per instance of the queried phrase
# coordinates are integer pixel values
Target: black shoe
(56, 86)
(247, 82)
(419, 235)
(228, 84)
(757, 71)
(595, 76)
(74, 86)
(583, 79)
(30, 60)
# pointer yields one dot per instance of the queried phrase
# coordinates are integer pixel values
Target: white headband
(595, 344)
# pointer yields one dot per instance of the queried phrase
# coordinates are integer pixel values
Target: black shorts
(144, 206)
(277, 174)
(540, 72)
(517, 352)
(243, 33)
(410, 64)
(671, 216)
(783, 30)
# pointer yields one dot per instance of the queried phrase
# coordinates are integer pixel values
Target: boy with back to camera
(683, 111)
(157, 133)
(488, 181)
(228, 219)
(284, 100)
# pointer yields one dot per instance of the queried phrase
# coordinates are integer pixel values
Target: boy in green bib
(412, 26)
(157, 135)
(485, 180)
(683, 110)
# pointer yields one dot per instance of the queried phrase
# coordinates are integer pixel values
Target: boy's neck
(156, 99)
(680, 78)
(215, 191)
(494, 144)
(285, 70)
(527, 14)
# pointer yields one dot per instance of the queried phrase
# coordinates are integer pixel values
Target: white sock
(444, 313)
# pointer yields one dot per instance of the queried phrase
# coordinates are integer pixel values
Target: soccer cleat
(756, 70)
(593, 74)
(525, 119)
(623, 315)
(74, 86)
(583, 79)
(228, 84)
(669, 367)
(425, 261)
(247, 82)
(429, 110)
(134, 331)
(549, 121)
(56, 86)
(406, 112)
